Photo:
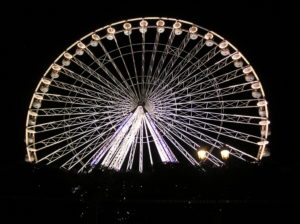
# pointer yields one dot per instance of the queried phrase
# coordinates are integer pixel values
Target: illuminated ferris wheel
(145, 91)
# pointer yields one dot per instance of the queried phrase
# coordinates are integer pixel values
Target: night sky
(32, 36)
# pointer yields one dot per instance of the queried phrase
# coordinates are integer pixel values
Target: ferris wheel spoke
(175, 55)
(99, 132)
(125, 66)
(132, 153)
(188, 76)
(93, 148)
(185, 60)
(107, 71)
(177, 52)
(63, 123)
(148, 143)
(219, 144)
(164, 54)
(129, 90)
(222, 117)
(66, 149)
(143, 65)
(165, 153)
(152, 59)
(194, 145)
(117, 84)
(131, 149)
(208, 71)
(220, 92)
(98, 152)
(211, 141)
(79, 156)
(76, 89)
(141, 151)
(171, 52)
(122, 139)
(83, 101)
(216, 80)
(92, 84)
(74, 111)
(184, 69)
(201, 62)
(188, 58)
(241, 136)
(84, 128)
(72, 147)
(134, 63)
(64, 136)
(212, 105)
(176, 74)
(124, 146)
(169, 133)
(48, 126)
(112, 141)
(195, 87)
(99, 77)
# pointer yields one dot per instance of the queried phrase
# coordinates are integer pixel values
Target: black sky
(34, 34)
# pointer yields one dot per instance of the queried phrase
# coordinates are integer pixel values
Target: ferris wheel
(144, 91)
